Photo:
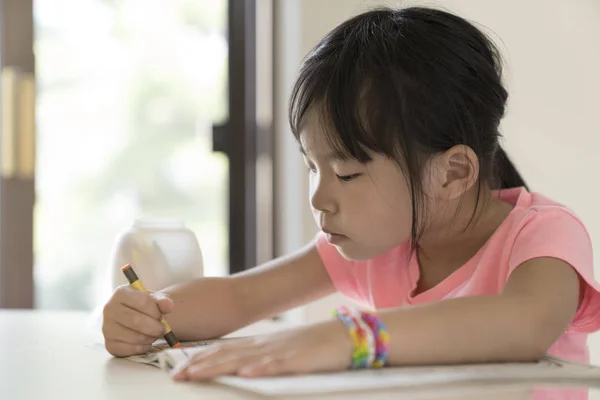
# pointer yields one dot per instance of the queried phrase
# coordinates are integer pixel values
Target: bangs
(334, 92)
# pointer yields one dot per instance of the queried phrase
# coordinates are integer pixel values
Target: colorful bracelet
(360, 353)
(382, 337)
(369, 336)
(370, 340)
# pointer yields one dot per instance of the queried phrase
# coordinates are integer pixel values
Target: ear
(458, 171)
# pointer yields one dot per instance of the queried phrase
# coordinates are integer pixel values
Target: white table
(48, 355)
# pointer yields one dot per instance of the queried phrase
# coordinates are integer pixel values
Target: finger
(122, 349)
(224, 349)
(200, 355)
(215, 353)
(139, 322)
(218, 353)
(208, 369)
(267, 366)
(138, 300)
(116, 331)
(165, 305)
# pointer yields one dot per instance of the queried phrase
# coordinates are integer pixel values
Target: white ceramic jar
(162, 252)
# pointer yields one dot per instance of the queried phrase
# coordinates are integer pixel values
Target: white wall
(552, 53)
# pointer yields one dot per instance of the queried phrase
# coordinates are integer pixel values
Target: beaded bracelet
(370, 341)
(369, 336)
(360, 353)
(382, 337)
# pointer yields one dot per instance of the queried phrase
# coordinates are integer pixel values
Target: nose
(322, 198)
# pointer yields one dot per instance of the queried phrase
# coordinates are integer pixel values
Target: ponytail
(506, 172)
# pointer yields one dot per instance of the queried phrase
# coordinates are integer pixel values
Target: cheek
(394, 219)
(389, 214)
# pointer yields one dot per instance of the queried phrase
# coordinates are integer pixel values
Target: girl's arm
(212, 307)
(520, 324)
(538, 303)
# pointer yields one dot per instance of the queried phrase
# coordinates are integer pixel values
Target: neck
(463, 231)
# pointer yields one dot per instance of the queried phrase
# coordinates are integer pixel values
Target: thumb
(165, 303)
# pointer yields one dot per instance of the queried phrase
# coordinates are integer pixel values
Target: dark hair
(407, 83)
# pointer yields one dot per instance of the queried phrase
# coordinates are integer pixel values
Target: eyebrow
(334, 155)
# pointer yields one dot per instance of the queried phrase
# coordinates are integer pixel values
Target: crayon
(136, 283)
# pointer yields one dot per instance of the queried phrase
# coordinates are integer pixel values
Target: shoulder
(530, 206)
(541, 227)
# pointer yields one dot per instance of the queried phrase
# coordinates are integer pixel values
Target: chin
(353, 253)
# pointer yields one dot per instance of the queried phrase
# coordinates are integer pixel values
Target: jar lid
(158, 223)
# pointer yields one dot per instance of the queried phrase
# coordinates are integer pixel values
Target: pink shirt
(536, 227)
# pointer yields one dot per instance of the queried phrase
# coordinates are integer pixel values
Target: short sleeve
(340, 270)
(559, 234)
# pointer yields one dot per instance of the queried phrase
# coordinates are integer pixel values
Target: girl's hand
(131, 320)
(317, 348)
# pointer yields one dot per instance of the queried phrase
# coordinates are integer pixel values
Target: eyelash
(343, 178)
(348, 178)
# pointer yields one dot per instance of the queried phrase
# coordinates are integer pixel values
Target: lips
(333, 237)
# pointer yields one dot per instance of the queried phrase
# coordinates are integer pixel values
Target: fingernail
(178, 374)
(161, 295)
(194, 369)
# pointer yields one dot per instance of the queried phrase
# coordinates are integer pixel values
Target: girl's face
(364, 209)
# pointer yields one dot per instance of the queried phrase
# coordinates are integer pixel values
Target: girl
(423, 218)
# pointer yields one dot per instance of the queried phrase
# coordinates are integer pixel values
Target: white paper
(156, 356)
(549, 369)
(163, 357)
